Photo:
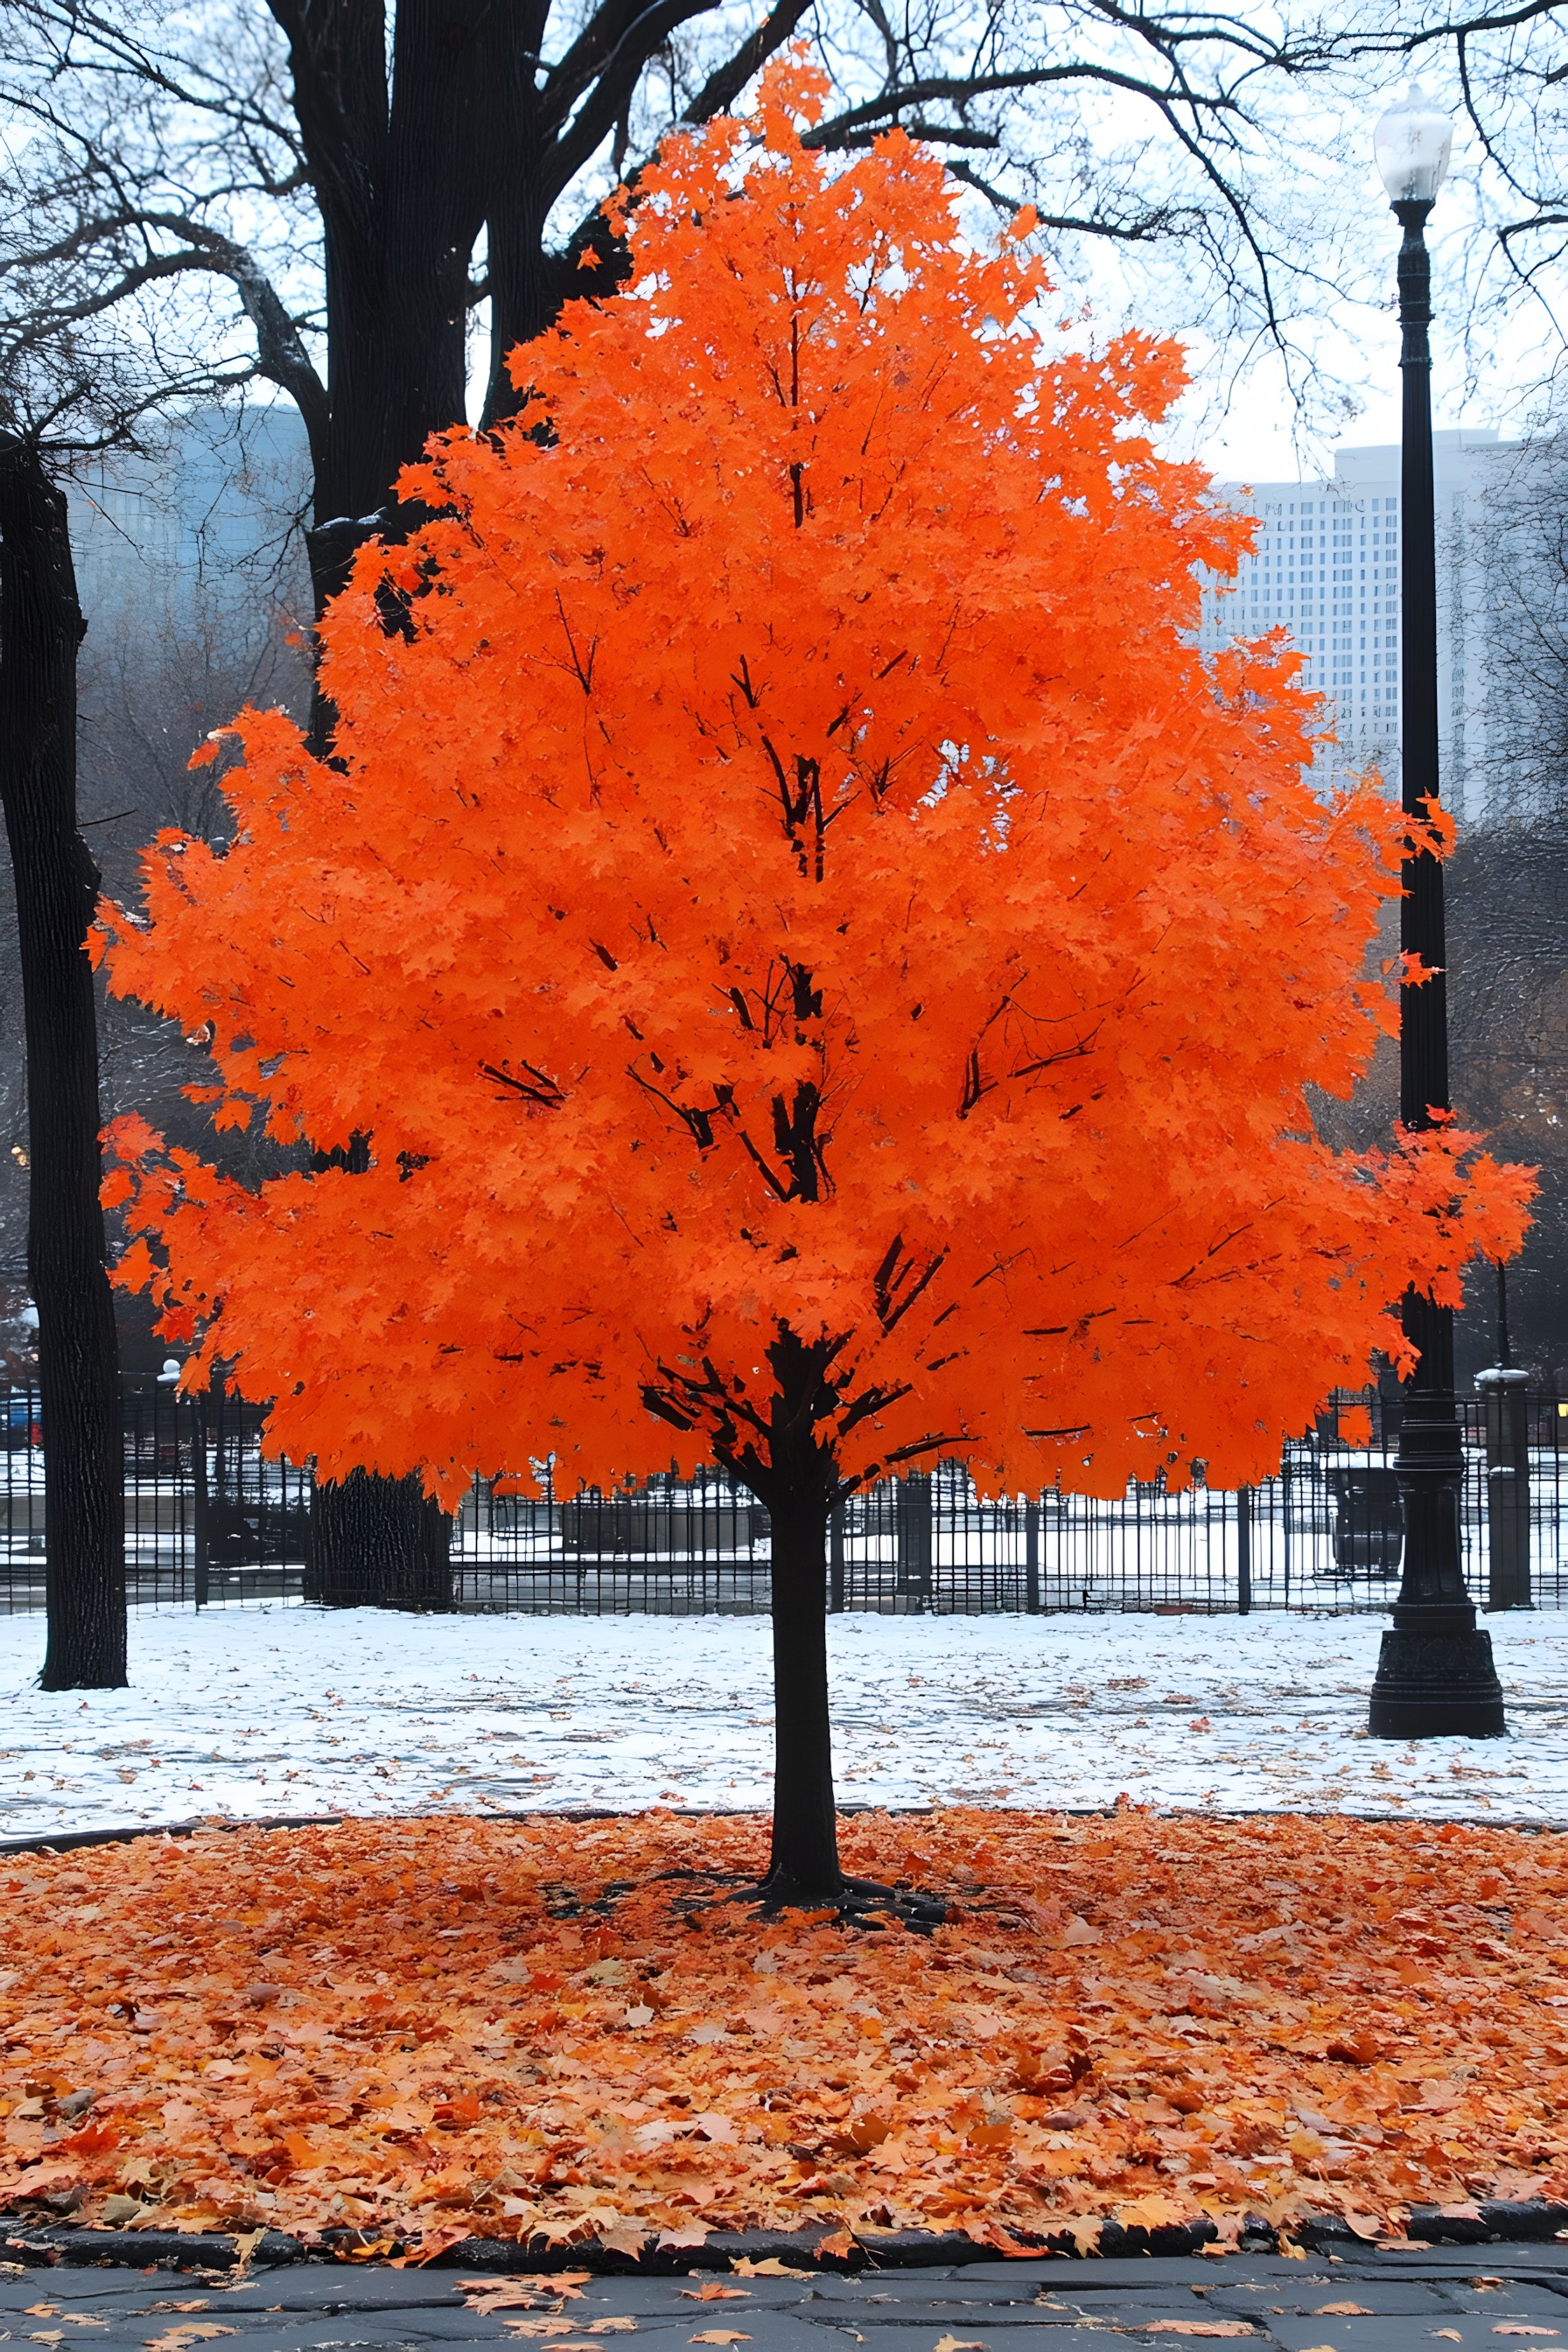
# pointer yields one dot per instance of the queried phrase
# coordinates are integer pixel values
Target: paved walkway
(1391, 2302)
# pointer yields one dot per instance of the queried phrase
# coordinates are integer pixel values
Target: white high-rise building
(215, 507)
(1327, 569)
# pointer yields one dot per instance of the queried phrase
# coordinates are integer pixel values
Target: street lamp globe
(1412, 143)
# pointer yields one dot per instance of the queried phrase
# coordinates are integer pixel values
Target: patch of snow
(293, 1710)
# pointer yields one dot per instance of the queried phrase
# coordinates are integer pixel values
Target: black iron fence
(210, 1520)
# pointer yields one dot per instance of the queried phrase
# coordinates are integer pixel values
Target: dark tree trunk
(57, 892)
(399, 172)
(400, 186)
(379, 1543)
(796, 1475)
(375, 1542)
(804, 1865)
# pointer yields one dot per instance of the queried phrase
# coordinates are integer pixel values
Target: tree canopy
(789, 891)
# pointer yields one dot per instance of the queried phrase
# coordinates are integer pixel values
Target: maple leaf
(514, 2287)
(710, 2291)
(1194, 2328)
(863, 2133)
(719, 2335)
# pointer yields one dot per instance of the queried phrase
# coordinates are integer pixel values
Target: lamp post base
(1435, 1679)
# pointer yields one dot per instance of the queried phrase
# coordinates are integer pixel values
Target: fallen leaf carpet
(438, 2028)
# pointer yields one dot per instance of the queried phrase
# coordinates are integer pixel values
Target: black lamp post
(1434, 1677)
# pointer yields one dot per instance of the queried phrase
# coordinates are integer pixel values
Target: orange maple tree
(831, 973)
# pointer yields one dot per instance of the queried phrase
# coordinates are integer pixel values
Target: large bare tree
(56, 884)
(337, 195)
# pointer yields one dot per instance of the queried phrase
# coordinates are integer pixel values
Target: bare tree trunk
(400, 225)
(57, 892)
(375, 1542)
(796, 1478)
(803, 1866)
(379, 1543)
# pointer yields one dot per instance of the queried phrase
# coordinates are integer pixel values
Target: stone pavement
(1396, 2300)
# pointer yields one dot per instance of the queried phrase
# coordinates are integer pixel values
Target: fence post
(1508, 1488)
(200, 1524)
(1285, 1517)
(1243, 1551)
(1032, 1557)
(835, 1557)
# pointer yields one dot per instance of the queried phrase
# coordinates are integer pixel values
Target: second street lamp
(1436, 1678)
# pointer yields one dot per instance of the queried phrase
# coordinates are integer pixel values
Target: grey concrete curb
(66, 1841)
(1496, 2224)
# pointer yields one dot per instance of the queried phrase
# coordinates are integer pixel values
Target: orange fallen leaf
(719, 2335)
(959, 2344)
(511, 2292)
(245, 2244)
(1194, 2328)
(1523, 2327)
(192, 2331)
(1341, 2311)
(712, 2292)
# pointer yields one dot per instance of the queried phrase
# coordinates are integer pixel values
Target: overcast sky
(1255, 434)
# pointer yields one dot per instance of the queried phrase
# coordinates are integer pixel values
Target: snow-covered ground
(290, 1710)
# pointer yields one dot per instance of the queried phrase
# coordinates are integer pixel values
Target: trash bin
(1368, 1520)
